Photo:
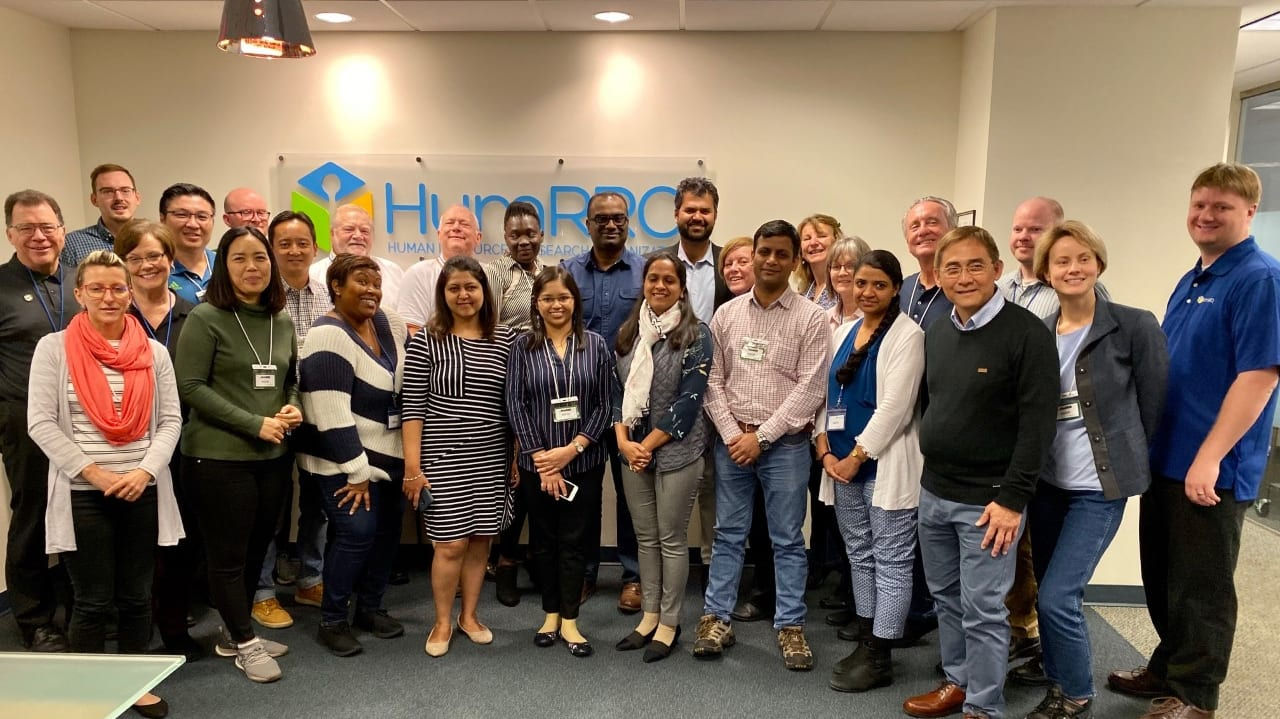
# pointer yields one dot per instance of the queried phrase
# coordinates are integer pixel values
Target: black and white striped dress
(456, 387)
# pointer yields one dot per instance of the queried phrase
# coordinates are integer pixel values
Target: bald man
(351, 231)
(459, 235)
(243, 207)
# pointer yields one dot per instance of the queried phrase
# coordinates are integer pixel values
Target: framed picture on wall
(968, 218)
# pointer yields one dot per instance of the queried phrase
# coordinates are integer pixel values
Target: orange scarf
(87, 352)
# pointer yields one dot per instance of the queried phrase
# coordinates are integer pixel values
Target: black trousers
(111, 570)
(826, 546)
(179, 567)
(509, 541)
(27, 574)
(1189, 557)
(626, 533)
(239, 505)
(558, 530)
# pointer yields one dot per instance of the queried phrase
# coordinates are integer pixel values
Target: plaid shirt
(781, 393)
(306, 305)
(83, 241)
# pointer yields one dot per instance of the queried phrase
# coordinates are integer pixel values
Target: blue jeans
(782, 473)
(312, 532)
(968, 587)
(1069, 533)
(358, 560)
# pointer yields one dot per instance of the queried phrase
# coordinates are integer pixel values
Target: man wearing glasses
(116, 198)
(991, 369)
(609, 277)
(352, 232)
(35, 299)
(188, 210)
(242, 207)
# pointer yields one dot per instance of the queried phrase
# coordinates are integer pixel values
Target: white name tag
(835, 419)
(200, 295)
(264, 376)
(754, 349)
(565, 409)
(393, 418)
(1069, 406)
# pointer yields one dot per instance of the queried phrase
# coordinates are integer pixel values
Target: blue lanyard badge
(62, 310)
(835, 415)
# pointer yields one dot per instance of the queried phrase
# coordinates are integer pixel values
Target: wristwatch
(579, 446)
(764, 443)
(860, 454)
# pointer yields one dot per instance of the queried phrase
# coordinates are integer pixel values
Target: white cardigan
(49, 424)
(892, 436)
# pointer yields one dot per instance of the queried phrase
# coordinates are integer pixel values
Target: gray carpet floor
(394, 678)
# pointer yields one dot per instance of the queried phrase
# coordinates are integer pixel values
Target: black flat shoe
(840, 618)
(635, 640)
(657, 651)
(579, 649)
(545, 639)
(159, 710)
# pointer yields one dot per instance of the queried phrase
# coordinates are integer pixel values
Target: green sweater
(215, 377)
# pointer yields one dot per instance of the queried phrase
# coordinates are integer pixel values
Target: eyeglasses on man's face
(27, 231)
(249, 214)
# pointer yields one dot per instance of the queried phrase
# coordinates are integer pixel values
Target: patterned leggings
(881, 544)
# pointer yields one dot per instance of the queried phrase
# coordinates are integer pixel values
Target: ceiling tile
(578, 14)
(171, 15)
(754, 15)
(914, 16)
(367, 16)
(472, 15)
(74, 13)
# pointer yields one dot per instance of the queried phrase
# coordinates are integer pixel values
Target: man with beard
(117, 199)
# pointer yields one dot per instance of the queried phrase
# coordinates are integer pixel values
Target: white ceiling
(1257, 58)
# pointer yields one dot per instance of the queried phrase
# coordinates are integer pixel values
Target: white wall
(38, 132)
(973, 137)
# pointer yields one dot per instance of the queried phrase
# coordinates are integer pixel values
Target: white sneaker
(256, 664)
(226, 646)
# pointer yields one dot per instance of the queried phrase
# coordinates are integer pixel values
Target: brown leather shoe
(1175, 708)
(629, 600)
(1138, 683)
(947, 699)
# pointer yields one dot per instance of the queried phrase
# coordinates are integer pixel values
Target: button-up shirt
(980, 318)
(607, 295)
(512, 287)
(83, 241)
(924, 306)
(306, 305)
(701, 282)
(187, 284)
(1035, 296)
(1222, 320)
(31, 306)
(781, 392)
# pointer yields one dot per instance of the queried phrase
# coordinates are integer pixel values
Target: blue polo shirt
(187, 284)
(607, 295)
(923, 306)
(1221, 321)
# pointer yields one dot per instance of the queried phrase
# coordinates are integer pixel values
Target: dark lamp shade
(265, 28)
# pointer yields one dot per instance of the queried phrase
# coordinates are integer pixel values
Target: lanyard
(168, 319)
(271, 337)
(62, 311)
(568, 368)
(912, 303)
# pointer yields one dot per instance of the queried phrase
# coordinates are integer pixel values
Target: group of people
(963, 439)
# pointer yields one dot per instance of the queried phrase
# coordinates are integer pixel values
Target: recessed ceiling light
(334, 17)
(612, 16)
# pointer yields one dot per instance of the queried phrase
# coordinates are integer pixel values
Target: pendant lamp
(265, 28)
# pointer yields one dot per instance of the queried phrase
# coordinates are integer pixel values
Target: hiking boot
(714, 636)
(796, 654)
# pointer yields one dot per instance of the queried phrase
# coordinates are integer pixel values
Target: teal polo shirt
(187, 284)
(1221, 321)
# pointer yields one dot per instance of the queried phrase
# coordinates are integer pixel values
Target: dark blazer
(1121, 376)
(723, 294)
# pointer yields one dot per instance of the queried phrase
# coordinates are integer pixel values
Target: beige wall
(40, 148)
(973, 137)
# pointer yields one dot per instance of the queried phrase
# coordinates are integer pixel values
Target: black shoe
(588, 589)
(657, 651)
(915, 630)
(858, 631)
(579, 649)
(635, 640)
(379, 624)
(840, 618)
(835, 600)
(48, 639)
(545, 639)
(184, 645)
(868, 668)
(339, 640)
(1030, 673)
(1023, 648)
(159, 710)
(749, 611)
(398, 577)
(490, 572)
(507, 592)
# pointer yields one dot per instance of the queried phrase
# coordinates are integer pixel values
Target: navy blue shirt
(857, 399)
(607, 295)
(1221, 321)
(922, 305)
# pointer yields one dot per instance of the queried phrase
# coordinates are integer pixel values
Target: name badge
(565, 409)
(835, 419)
(1069, 406)
(264, 376)
(393, 418)
(754, 349)
(200, 295)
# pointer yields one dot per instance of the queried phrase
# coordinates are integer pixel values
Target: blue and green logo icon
(350, 190)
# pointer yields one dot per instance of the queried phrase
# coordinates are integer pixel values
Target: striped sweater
(346, 391)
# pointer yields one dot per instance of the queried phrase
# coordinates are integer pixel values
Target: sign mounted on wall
(406, 194)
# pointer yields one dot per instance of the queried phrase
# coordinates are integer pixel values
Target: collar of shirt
(514, 267)
(786, 300)
(210, 257)
(625, 261)
(706, 257)
(980, 318)
(313, 286)
(1229, 259)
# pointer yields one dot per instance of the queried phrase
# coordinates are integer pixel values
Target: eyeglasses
(248, 214)
(134, 262)
(97, 292)
(352, 229)
(848, 267)
(183, 215)
(556, 300)
(606, 220)
(113, 191)
(975, 269)
(29, 231)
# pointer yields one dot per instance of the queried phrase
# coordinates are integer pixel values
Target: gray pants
(661, 504)
(968, 587)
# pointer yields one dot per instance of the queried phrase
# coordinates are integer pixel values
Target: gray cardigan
(1121, 375)
(49, 424)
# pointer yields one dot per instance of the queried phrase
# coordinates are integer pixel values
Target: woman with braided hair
(868, 444)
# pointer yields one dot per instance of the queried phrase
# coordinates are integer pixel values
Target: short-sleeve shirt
(924, 306)
(187, 284)
(1221, 321)
(607, 295)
